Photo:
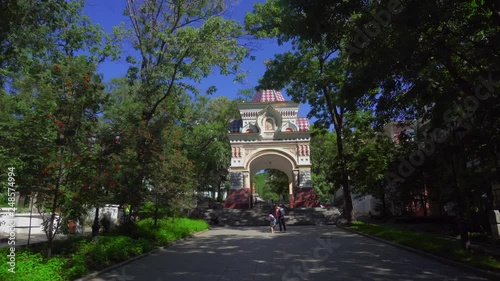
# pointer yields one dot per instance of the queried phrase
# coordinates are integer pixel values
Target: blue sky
(109, 13)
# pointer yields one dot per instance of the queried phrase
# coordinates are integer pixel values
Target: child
(272, 221)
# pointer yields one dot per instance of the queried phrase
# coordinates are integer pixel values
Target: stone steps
(258, 216)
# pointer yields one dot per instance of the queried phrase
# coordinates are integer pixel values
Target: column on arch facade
(304, 194)
(238, 196)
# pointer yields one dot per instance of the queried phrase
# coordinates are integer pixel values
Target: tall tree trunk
(95, 225)
(348, 207)
(51, 233)
(384, 204)
(423, 202)
(461, 212)
(336, 116)
(219, 194)
(156, 211)
(496, 162)
(135, 196)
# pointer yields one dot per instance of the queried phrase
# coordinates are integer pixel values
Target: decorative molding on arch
(289, 125)
(266, 113)
(250, 128)
(270, 151)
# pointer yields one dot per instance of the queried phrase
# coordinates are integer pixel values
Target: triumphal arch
(270, 135)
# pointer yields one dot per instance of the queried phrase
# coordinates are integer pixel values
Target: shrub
(169, 230)
(107, 250)
(147, 210)
(93, 254)
(32, 267)
(76, 267)
(81, 255)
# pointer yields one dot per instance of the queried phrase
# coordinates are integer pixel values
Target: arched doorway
(270, 186)
(273, 159)
(270, 135)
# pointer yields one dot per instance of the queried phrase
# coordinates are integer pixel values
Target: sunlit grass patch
(169, 230)
(429, 243)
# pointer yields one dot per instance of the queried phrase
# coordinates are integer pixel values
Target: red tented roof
(268, 96)
(303, 124)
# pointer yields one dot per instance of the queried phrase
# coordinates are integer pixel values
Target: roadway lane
(312, 253)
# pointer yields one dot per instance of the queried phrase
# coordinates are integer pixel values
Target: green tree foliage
(278, 182)
(325, 172)
(54, 96)
(312, 71)
(179, 42)
(246, 95)
(271, 184)
(22, 23)
(368, 152)
(208, 145)
(164, 155)
(434, 61)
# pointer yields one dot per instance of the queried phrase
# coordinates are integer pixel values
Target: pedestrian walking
(272, 221)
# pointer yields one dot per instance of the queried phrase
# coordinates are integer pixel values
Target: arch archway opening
(271, 186)
(274, 169)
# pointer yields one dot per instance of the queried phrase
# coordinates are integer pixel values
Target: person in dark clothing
(279, 213)
(282, 216)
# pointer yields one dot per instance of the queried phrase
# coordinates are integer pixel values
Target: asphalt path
(313, 253)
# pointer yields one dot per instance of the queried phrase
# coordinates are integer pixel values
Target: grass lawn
(429, 243)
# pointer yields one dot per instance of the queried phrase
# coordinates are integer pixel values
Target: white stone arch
(255, 148)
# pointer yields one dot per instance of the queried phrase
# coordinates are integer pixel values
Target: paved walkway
(22, 238)
(321, 253)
